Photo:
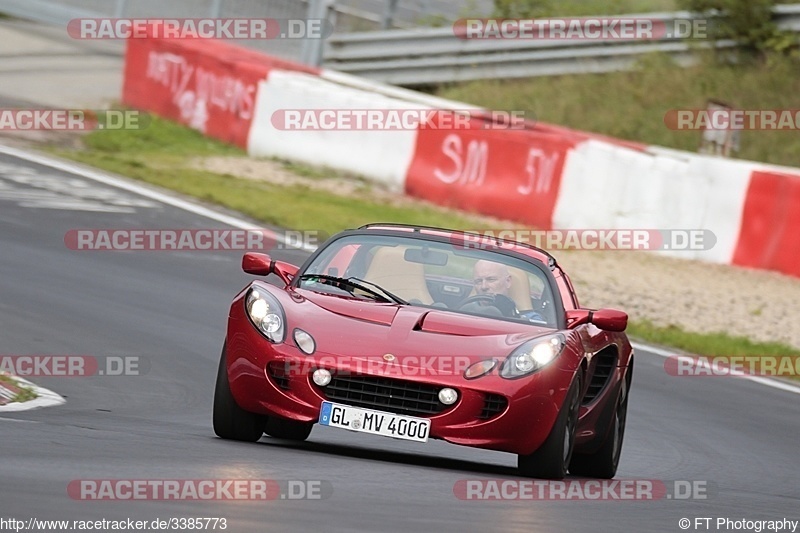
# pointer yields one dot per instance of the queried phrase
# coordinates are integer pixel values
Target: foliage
(748, 22)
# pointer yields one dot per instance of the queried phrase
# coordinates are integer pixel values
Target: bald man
(491, 278)
(494, 279)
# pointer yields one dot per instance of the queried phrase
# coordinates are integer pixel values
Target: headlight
(532, 356)
(304, 341)
(481, 368)
(266, 314)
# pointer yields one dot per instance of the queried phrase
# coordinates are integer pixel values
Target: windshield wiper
(396, 299)
(360, 284)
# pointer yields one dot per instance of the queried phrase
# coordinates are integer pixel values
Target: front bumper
(532, 402)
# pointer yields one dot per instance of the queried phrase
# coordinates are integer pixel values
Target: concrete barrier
(378, 155)
(546, 176)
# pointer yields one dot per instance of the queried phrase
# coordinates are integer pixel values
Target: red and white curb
(44, 397)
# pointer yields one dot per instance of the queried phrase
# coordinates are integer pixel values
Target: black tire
(552, 459)
(281, 428)
(603, 463)
(231, 421)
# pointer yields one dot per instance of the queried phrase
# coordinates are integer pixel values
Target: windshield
(412, 271)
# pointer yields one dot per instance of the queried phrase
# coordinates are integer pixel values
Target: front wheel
(553, 457)
(604, 462)
(231, 421)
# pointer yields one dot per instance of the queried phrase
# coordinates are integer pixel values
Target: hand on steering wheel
(503, 304)
(487, 298)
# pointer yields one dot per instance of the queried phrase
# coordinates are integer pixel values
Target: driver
(491, 278)
(494, 280)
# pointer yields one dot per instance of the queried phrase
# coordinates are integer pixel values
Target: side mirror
(263, 265)
(605, 319)
(257, 264)
(576, 317)
(610, 319)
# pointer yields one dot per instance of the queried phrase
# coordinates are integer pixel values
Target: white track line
(108, 179)
(102, 177)
(774, 383)
(48, 398)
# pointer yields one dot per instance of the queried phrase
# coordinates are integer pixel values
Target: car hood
(368, 328)
(378, 313)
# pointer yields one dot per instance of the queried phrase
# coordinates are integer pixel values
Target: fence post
(388, 14)
(216, 9)
(119, 11)
(312, 48)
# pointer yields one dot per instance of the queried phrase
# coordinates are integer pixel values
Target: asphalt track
(739, 437)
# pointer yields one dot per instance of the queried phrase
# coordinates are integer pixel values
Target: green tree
(748, 22)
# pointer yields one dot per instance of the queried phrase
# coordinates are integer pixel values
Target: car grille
(493, 404)
(604, 368)
(277, 372)
(385, 394)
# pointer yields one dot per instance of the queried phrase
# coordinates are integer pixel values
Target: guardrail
(60, 12)
(429, 56)
(345, 15)
(409, 57)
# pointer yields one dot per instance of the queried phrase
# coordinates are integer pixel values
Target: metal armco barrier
(435, 55)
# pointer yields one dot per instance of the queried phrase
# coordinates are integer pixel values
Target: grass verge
(550, 8)
(711, 344)
(162, 155)
(632, 105)
(580, 8)
(714, 344)
(24, 394)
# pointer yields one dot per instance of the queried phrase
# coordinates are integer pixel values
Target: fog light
(448, 396)
(322, 377)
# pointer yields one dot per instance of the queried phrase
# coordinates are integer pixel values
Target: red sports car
(421, 333)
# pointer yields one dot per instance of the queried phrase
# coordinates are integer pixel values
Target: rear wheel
(604, 462)
(231, 421)
(553, 457)
(281, 428)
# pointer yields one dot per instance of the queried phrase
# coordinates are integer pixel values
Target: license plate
(374, 422)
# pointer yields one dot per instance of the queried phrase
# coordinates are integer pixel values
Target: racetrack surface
(170, 309)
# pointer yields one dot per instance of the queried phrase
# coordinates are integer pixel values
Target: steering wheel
(502, 303)
(488, 298)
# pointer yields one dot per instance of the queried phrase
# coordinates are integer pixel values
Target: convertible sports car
(422, 333)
